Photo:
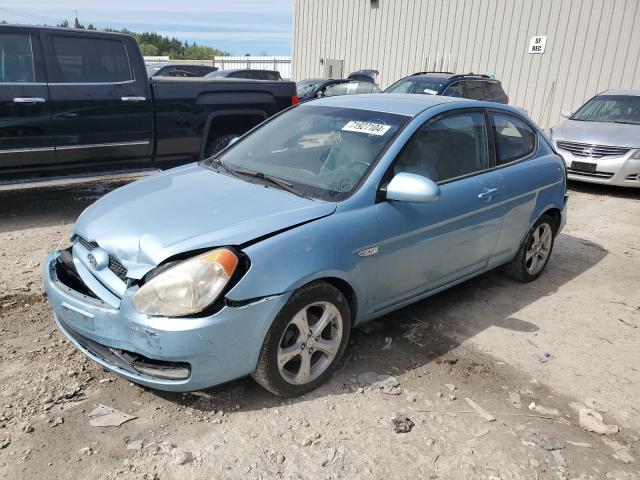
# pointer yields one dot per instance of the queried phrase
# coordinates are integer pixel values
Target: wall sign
(537, 43)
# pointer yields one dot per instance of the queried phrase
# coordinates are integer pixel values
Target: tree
(149, 50)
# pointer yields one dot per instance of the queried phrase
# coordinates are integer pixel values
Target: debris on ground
(135, 445)
(57, 421)
(388, 384)
(544, 358)
(387, 343)
(543, 410)
(560, 461)
(402, 424)
(85, 451)
(333, 455)
(544, 441)
(481, 411)
(103, 416)
(451, 387)
(579, 444)
(591, 420)
(5, 443)
(181, 457)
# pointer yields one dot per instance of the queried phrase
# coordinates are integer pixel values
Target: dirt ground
(485, 340)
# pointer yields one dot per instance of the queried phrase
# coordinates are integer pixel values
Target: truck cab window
(16, 58)
(89, 60)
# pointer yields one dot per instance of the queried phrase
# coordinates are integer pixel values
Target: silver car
(600, 143)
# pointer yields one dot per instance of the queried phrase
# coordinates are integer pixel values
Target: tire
(285, 338)
(520, 268)
(218, 144)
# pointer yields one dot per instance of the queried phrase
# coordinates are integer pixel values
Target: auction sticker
(366, 127)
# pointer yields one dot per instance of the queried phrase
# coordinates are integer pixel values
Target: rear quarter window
(514, 138)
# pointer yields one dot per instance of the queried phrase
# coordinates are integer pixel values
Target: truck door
(25, 110)
(101, 106)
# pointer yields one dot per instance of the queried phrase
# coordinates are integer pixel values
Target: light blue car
(261, 260)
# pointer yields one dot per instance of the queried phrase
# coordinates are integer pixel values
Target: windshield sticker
(366, 127)
(429, 91)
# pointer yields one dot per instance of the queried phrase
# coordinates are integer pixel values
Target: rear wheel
(534, 252)
(305, 342)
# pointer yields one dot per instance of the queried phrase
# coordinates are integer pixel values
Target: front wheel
(534, 252)
(305, 342)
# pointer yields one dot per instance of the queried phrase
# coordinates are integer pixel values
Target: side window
(495, 93)
(514, 138)
(475, 89)
(450, 147)
(16, 58)
(89, 60)
(454, 90)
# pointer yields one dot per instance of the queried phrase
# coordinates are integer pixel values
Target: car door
(101, 108)
(424, 246)
(26, 138)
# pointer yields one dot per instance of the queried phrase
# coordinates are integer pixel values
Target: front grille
(593, 151)
(115, 266)
(590, 174)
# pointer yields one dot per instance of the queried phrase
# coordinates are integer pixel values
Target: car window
(275, 76)
(475, 89)
(350, 88)
(514, 138)
(495, 93)
(450, 147)
(429, 86)
(454, 90)
(610, 109)
(89, 60)
(16, 58)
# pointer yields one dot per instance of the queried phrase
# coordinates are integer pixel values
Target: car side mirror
(233, 140)
(409, 187)
(320, 94)
(566, 114)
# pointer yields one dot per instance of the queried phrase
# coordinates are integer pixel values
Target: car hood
(189, 208)
(598, 133)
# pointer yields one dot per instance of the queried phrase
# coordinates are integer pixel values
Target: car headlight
(188, 287)
(636, 155)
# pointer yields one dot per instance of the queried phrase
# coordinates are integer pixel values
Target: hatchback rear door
(26, 138)
(102, 110)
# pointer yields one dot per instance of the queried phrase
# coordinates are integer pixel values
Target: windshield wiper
(282, 184)
(220, 165)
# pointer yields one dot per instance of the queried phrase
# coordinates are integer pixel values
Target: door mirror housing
(409, 187)
(566, 114)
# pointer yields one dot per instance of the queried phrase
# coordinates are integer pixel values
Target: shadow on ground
(427, 331)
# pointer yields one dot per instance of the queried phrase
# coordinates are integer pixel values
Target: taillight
(295, 100)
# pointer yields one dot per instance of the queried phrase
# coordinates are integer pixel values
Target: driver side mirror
(320, 94)
(409, 187)
(566, 114)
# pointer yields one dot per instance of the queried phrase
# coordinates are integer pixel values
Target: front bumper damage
(175, 354)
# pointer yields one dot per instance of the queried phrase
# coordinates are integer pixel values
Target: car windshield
(610, 109)
(322, 152)
(429, 86)
(305, 87)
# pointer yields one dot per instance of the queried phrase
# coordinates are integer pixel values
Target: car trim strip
(28, 150)
(103, 145)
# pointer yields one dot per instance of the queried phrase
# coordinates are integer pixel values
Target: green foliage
(154, 44)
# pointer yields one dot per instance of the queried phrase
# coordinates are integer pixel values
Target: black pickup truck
(77, 102)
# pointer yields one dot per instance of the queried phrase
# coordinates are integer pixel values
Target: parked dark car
(329, 87)
(469, 85)
(248, 73)
(178, 70)
(74, 102)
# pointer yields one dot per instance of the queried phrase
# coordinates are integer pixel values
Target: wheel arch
(347, 290)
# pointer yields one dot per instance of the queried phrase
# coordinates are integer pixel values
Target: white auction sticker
(366, 127)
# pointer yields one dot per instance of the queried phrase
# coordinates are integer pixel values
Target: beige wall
(592, 45)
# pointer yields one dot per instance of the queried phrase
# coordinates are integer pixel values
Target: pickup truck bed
(77, 102)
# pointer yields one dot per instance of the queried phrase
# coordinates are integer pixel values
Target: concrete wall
(592, 45)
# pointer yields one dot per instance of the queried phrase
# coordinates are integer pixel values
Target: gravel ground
(396, 407)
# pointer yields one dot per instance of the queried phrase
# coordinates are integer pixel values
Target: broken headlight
(188, 287)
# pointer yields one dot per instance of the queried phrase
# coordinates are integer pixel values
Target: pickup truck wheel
(534, 252)
(218, 144)
(305, 342)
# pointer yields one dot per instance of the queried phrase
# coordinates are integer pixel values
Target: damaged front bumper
(175, 354)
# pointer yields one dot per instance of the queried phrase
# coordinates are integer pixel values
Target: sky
(237, 26)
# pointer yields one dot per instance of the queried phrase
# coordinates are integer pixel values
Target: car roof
(630, 93)
(69, 30)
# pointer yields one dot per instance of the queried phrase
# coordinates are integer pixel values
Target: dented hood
(189, 208)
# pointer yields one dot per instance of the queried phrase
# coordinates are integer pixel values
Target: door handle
(133, 99)
(487, 193)
(29, 100)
